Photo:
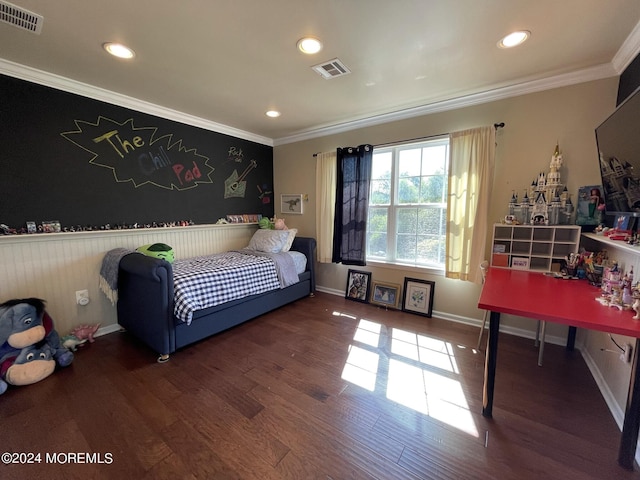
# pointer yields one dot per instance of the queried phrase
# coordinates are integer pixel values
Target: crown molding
(522, 88)
(628, 51)
(72, 86)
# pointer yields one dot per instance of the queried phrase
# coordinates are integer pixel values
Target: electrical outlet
(625, 356)
(82, 297)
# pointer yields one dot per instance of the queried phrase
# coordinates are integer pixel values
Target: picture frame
(358, 286)
(291, 203)
(385, 294)
(417, 296)
(622, 222)
(591, 206)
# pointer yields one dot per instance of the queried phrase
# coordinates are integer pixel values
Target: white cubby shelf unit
(533, 247)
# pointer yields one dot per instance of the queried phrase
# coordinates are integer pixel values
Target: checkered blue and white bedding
(207, 281)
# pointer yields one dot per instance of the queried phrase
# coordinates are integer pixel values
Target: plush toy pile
(30, 347)
(272, 223)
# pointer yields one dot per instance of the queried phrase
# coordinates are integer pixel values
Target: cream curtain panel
(470, 181)
(326, 171)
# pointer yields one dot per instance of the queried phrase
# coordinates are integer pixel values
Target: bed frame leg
(163, 358)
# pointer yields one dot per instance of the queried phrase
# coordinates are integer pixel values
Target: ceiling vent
(331, 69)
(21, 18)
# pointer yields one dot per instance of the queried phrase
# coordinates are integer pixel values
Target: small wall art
(591, 206)
(291, 203)
(417, 296)
(385, 294)
(358, 286)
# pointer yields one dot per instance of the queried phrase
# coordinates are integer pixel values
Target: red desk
(570, 302)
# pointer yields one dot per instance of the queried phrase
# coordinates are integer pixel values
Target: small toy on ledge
(85, 332)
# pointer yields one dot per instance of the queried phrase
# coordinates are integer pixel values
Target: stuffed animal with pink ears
(279, 224)
(82, 332)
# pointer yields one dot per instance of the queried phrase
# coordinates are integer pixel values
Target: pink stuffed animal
(85, 331)
(279, 224)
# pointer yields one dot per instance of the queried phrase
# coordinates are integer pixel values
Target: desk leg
(571, 339)
(490, 365)
(631, 423)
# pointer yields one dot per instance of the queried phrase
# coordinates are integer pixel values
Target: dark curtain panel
(352, 200)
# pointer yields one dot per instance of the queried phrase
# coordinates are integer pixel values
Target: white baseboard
(616, 411)
(518, 332)
(108, 329)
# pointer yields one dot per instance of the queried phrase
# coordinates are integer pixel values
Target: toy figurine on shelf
(610, 282)
(616, 299)
(636, 305)
(627, 285)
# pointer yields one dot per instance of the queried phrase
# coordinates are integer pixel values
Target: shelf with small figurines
(622, 244)
(623, 259)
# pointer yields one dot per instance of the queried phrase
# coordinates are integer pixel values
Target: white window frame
(394, 207)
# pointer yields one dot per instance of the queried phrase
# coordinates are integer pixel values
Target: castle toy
(546, 201)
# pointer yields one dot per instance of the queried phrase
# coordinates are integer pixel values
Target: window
(407, 216)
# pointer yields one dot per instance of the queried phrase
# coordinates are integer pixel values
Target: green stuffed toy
(158, 250)
(265, 223)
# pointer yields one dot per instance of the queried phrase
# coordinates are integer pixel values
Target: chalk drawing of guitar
(235, 185)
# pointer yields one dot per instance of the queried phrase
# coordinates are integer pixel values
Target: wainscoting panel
(54, 266)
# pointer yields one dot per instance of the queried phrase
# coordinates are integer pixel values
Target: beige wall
(533, 124)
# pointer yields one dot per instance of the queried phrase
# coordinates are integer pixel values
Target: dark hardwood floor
(324, 388)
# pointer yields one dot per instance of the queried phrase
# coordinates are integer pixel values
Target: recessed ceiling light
(118, 50)
(514, 39)
(273, 113)
(309, 45)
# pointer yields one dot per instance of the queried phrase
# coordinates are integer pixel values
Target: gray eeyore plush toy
(30, 347)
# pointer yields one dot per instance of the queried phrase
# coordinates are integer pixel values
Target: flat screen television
(618, 140)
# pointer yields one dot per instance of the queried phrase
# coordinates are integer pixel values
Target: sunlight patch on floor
(361, 368)
(368, 333)
(340, 314)
(429, 351)
(421, 373)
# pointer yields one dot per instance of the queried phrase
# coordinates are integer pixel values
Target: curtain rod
(495, 125)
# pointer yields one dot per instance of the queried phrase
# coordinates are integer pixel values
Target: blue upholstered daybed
(146, 302)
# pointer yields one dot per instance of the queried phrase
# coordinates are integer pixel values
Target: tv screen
(618, 140)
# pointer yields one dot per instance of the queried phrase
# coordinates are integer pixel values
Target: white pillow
(268, 241)
(292, 234)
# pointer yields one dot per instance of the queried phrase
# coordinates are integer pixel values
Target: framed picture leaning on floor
(358, 286)
(385, 294)
(417, 296)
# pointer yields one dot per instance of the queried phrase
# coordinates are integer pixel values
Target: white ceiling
(226, 62)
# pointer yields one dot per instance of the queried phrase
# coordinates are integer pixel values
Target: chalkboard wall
(85, 162)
